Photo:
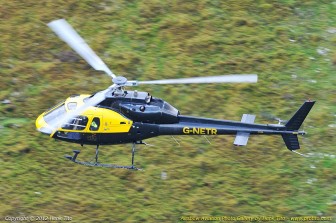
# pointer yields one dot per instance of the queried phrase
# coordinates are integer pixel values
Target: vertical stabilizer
(291, 139)
(296, 121)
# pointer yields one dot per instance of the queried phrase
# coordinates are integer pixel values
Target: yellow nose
(41, 125)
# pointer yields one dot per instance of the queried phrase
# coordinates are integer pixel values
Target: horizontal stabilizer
(241, 139)
(247, 118)
(291, 141)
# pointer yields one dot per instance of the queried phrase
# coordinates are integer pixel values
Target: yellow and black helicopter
(116, 115)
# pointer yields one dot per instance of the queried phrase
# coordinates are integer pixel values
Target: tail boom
(189, 125)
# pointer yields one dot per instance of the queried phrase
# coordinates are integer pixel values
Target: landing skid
(97, 164)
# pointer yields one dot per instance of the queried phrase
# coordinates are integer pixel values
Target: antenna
(299, 153)
(176, 141)
(207, 139)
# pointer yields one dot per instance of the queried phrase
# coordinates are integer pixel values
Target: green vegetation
(289, 44)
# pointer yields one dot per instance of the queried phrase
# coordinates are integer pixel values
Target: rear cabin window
(94, 126)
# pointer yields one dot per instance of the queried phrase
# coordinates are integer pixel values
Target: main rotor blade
(94, 100)
(65, 31)
(234, 78)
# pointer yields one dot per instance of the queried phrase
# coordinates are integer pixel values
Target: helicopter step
(97, 164)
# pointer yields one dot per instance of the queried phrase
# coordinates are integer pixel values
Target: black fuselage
(186, 125)
(154, 117)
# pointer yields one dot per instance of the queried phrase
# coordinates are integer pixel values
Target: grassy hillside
(289, 44)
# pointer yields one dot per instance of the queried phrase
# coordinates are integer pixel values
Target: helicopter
(118, 116)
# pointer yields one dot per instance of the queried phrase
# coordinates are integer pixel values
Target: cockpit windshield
(55, 113)
(54, 107)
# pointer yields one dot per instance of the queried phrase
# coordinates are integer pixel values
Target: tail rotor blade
(65, 31)
(234, 78)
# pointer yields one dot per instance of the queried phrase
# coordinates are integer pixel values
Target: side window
(95, 124)
(77, 123)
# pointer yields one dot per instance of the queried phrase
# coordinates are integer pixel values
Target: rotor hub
(120, 80)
